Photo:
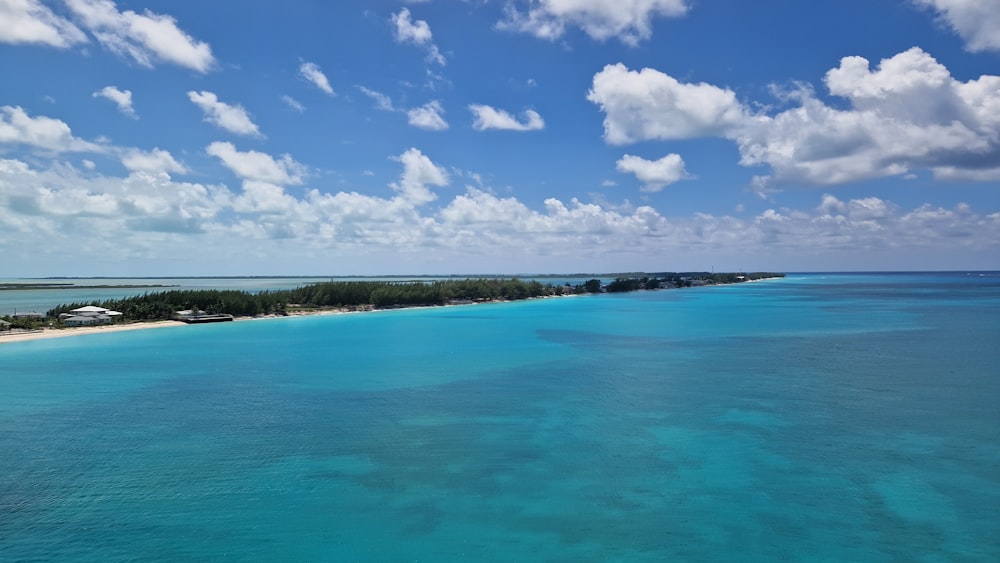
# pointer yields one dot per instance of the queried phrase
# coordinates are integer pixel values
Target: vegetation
(382, 294)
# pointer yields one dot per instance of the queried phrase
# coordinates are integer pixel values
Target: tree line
(379, 294)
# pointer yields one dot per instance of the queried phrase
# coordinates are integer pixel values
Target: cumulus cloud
(146, 214)
(630, 21)
(312, 73)
(234, 119)
(907, 114)
(31, 22)
(654, 174)
(17, 127)
(977, 22)
(156, 161)
(121, 98)
(58, 201)
(428, 116)
(649, 104)
(254, 165)
(146, 38)
(418, 32)
(486, 117)
(419, 172)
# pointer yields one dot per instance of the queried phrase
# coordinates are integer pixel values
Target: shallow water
(821, 417)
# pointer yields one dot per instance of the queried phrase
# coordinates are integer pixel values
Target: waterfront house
(4, 325)
(86, 320)
(92, 311)
(88, 316)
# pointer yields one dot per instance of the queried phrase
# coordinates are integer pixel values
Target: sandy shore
(47, 333)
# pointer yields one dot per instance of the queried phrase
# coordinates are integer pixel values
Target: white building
(89, 315)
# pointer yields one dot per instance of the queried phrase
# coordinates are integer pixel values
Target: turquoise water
(818, 417)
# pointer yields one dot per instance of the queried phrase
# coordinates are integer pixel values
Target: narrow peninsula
(210, 305)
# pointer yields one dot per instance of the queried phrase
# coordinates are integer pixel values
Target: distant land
(22, 286)
(383, 293)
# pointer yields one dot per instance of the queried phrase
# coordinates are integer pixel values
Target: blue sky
(497, 136)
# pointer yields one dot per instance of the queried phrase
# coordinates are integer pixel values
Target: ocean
(821, 417)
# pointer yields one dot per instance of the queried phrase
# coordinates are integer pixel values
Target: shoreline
(50, 333)
(47, 333)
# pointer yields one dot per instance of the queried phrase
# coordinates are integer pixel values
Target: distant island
(361, 296)
(47, 285)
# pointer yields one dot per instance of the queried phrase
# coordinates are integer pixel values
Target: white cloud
(312, 73)
(977, 22)
(59, 204)
(156, 161)
(31, 22)
(405, 30)
(649, 104)
(906, 115)
(17, 127)
(654, 174)
(253, 165)
(293, 103)
(234, 119)
(486, 117)
(382, 101)
(145, 215)
(145, 38)
(428, 116)
(418, 173)
(629, 21)
(121, 98)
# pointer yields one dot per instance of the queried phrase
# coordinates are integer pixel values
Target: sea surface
(820, 417)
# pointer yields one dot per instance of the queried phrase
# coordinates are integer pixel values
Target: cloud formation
(382, 101)
(977, 22)
(48, 208)
(31, 22)
(258, 166)
(654, 174)
(156, 161)
(145, 38)
(121, 98)
(428, 116)
(908, 114)
(312, 73)
(419, 172)
(629, 22)
(293, 103)
(418, 32)
(651, 105)
(486, 117)
(234, 119)
(19, 128)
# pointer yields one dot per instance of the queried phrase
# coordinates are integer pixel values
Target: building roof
(92, 310)
(89, 309)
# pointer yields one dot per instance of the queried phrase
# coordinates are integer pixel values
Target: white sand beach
(46, 333)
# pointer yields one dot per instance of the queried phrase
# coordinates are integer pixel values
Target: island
(210, 305)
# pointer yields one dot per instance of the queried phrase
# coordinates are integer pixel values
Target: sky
(253, 137)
